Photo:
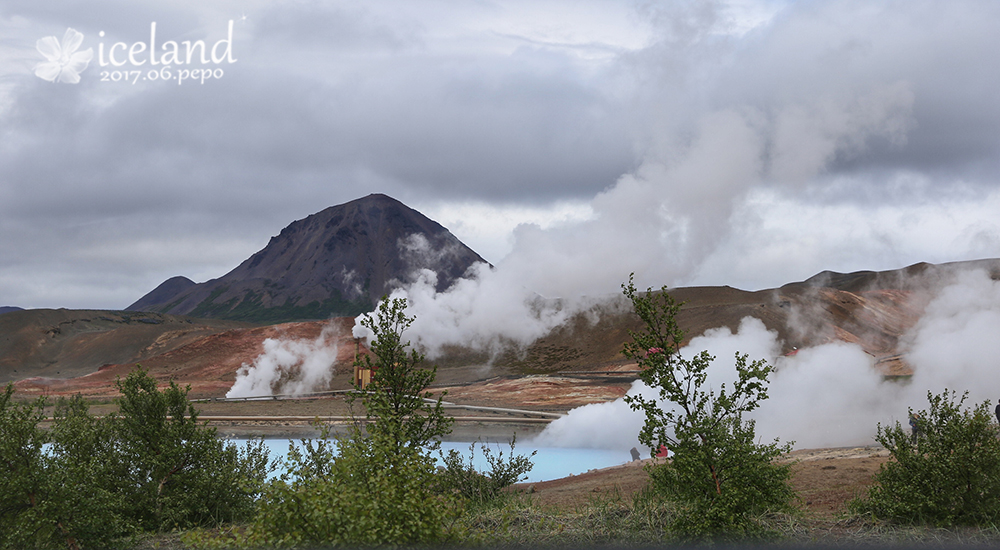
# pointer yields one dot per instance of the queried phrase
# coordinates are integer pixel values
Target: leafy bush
(950, 477)
(372, 495)
(176, 472)
(103, 480)
(720, 479)
(747, 485)
(481, 488)
(378, 488)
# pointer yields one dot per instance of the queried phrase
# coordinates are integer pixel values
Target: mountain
(162, 294)
(337, 262)
(8, 309)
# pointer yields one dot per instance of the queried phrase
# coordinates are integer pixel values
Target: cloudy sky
(749, 143)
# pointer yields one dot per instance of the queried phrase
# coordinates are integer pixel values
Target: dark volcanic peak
(360, 246)
(339, 261)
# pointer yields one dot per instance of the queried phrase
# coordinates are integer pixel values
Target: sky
(747, 143)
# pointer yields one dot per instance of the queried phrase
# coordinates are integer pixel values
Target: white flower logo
(64, 63)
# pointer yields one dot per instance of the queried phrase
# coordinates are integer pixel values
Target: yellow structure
(362, 376)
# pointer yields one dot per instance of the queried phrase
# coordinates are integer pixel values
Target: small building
(362, 375)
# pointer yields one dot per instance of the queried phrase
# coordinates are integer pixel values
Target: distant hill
(8, 309)
(917, 276)
(64, 343)
(337, 262)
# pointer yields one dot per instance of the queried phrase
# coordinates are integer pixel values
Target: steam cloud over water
(831, 395)
(291, 367)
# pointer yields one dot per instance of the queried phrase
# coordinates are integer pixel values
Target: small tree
(949, 477)
(719, 478)
(397, 405)
(485, 488)
(377, 488)
(177, 472)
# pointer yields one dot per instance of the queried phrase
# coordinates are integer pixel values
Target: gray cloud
(827, 105)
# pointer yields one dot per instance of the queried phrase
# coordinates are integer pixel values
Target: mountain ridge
(336, 262)
(59, 343)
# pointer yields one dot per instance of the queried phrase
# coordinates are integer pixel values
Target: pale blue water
(549, 462)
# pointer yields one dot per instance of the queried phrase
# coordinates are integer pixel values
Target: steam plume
(289, 366)
(831, 395)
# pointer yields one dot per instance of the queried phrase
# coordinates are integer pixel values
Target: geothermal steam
(831, 395)
(727, 182)
(289, 367)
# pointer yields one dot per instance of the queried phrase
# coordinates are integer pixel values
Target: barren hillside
(56, 352)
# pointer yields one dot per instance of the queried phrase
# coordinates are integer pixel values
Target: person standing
(914, 427)
(998, 410)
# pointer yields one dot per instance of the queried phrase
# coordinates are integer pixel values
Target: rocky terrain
(61, 351)
(65, 344)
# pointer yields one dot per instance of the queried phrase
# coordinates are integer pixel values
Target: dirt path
(824, 479)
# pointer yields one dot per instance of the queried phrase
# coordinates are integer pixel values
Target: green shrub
(747, 484)
(176, 472)
(104, 480)
(950, 477)
(720, 480)
(482, 488)
(378, 488)
(60, 497)
(372, 495)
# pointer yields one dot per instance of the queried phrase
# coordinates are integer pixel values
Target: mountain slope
(62, 343)
(337, 262)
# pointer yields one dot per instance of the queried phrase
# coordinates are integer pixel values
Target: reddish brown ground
(64, 352)
(208, 365)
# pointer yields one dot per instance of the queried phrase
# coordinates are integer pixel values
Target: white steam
(611, 425)
(483, 312)
(289, 367)
(827, 396)
(955, 345)
(831, 395)
(663, 221)
(750, 157)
